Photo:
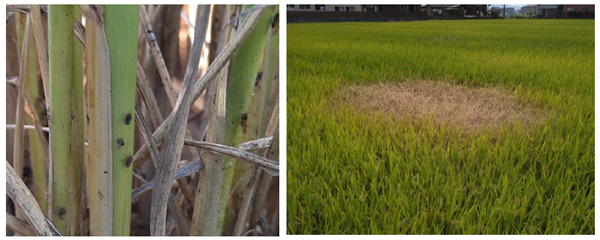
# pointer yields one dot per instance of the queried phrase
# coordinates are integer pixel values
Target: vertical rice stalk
(41, 44)
(273, 60)
(19, 121)
(243, 69)
(77, 136)
(38, 157)
(265, 180)
(60, 56)
(20, 31)
(206, 203)
(39, 25)
(98, 101)
(255, 120)
(121, 22)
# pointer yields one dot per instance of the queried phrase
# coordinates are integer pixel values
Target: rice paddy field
(441, 127)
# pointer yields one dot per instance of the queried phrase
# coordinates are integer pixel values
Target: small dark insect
(258, 78)
(128, 119)
(275, 22)
(120, 142)
(105, 172)
(244, 122)
(88, 119)
(27, 172)
(62, 213)
(128, 161)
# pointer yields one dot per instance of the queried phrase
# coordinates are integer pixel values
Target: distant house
(395, 8)
(474, 10)
(354, 8)
(578, 11)
(510, 11)
(337, 12)
(461, 11)
(439, 9)
(500, 11)
(495, 10)
(323, 8)
(528, 10)
(549, 11)
(301, 7)
(344, 8)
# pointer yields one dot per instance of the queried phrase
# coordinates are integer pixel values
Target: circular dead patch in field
(465, 107)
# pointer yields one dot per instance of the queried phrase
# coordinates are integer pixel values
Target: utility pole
(504, 12)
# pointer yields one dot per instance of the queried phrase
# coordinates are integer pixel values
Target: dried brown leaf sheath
(99, 167)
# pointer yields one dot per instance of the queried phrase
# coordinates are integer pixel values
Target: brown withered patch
(466, 107)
